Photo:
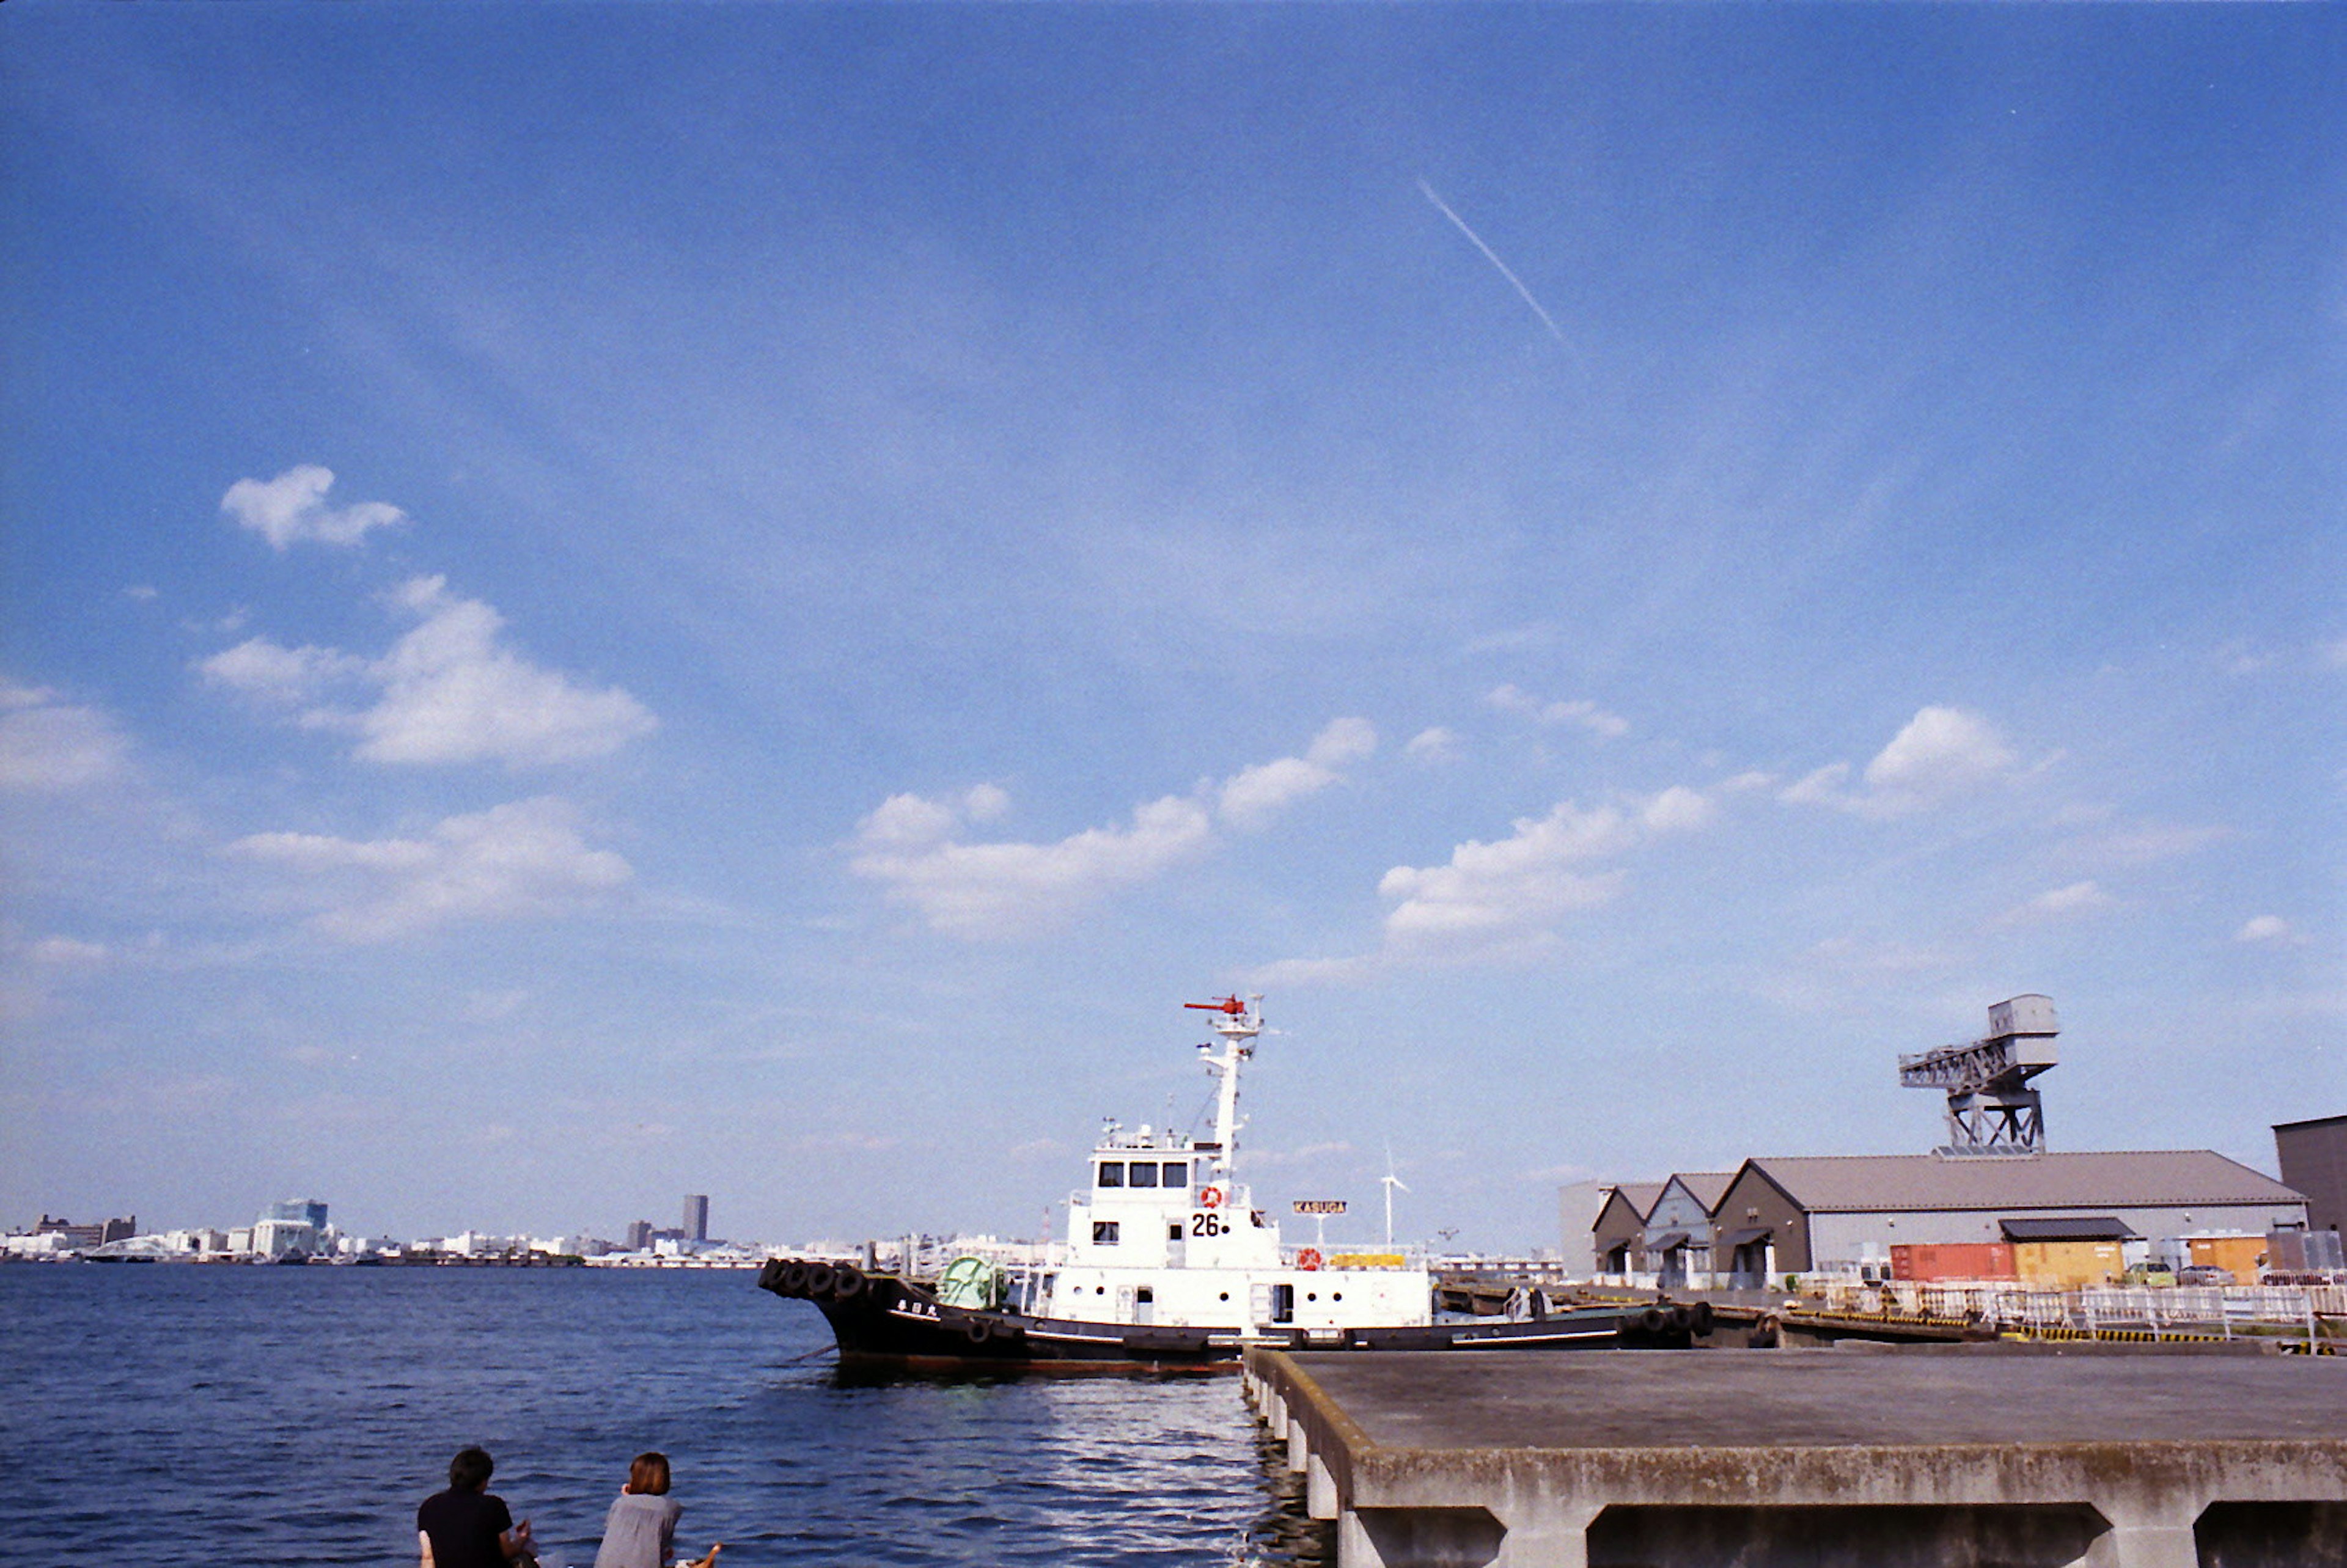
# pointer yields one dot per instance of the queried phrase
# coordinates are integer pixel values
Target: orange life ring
(1308, 1258)
(1210, 1197)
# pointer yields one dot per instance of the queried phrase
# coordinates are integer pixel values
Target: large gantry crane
(1992, 1109)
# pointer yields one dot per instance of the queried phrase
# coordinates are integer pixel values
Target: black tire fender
(1653, 1320)
(847, 1282)
(977, 1330)
(793, 1280)
(1700, 1317)
(819, 1278)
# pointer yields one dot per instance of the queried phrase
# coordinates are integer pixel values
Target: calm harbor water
(172, 1415)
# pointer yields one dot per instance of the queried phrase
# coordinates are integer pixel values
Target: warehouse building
(1677, 1244)
(2314, 1161)
(1993, 1202)
(1820, 1215)
(1616, 1239)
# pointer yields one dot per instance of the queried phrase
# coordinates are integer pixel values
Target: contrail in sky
(1493, 257)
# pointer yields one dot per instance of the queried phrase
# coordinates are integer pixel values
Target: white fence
(2179, 1309)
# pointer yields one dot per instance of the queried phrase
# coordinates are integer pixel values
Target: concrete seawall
(1911, 1458)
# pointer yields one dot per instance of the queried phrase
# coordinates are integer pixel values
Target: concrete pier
(1954, 1457)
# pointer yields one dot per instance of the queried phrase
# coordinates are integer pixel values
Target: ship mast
(1238, 1024)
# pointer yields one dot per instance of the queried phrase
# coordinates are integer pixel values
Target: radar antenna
(1992, 1109)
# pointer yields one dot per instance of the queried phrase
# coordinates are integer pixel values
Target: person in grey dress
(640, 1530)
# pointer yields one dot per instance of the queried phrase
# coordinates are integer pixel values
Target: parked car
(2203, 1273)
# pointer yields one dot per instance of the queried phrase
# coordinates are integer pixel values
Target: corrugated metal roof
(1707, 1187)
(2174, 1178)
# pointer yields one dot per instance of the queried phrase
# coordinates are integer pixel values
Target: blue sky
(604, 601)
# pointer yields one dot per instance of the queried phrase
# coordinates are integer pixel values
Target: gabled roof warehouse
(2179, 1178)
(1823, 1213)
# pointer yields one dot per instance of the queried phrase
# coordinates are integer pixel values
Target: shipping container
(2238, 1254)
(2068, 1264)
(1927, 1263)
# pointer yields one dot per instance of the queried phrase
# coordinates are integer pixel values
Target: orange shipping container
(2238, 1254)
(1929, 1262)
(2067, 1265)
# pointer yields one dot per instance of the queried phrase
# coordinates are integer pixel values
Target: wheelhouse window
(1103, 1232)
(1177, 1172)
(1112, 1172)
(1141, 1173)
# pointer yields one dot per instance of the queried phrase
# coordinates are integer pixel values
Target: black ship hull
(879, 1321)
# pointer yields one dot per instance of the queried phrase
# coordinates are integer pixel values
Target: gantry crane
(1992, 1109)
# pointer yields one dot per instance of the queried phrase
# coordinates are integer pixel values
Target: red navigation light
(1231, 1005)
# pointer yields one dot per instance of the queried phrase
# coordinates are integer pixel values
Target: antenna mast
(1239, 1022)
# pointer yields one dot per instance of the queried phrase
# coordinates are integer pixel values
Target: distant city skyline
(608, 602)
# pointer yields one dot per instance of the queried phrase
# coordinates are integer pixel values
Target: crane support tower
(1992, 1109)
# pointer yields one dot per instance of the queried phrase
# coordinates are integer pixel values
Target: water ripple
(182, 1415)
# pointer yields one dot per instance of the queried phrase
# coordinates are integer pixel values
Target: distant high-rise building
(298, 1211)
(640, 1235)
(696, 1216)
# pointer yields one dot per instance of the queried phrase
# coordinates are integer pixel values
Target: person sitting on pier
(640, 1530)
(467, 1526)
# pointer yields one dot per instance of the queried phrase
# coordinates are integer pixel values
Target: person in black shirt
(464, 1526)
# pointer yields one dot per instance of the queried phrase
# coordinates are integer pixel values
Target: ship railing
(1352, 1255)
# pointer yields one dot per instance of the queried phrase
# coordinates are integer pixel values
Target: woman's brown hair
(648, 1472)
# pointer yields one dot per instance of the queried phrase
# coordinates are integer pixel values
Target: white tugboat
(1167, 1264)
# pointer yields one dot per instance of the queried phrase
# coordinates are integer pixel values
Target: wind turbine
(1390, 1182)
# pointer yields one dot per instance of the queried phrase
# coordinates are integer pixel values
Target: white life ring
(1309, 1258)
(1210, 1197)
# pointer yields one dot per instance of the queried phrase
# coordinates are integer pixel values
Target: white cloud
(287, 677)
(522, 859)
(1498, 901)
(985, 892)
(293, 507)
(1587, 714)
(1004, 891)
(50, 745)
(68, 950)
(2270, 928)
(1678, 809)
(1254, 794)
(1298, 973)
(452, 694)
(2054, 904)
(447, 692)
(2147, 842)
(1521, 882)
(1943, 753)
(1435, 746)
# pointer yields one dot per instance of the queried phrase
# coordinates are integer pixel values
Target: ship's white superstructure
(1169, 1265)
(1165, 1232)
